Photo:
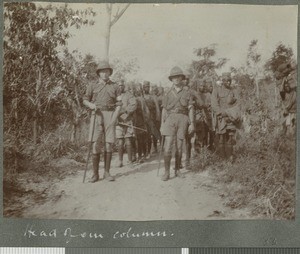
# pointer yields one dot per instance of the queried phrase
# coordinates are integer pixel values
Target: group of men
(195, 113)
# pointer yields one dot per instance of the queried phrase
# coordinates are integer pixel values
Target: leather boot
(129, 150)
(96, 161)
(178, 165)
(187, 164)
(120, 153)
(221, 150)
(133, 145)
(107, 175)
(229, 152)
(166, 176)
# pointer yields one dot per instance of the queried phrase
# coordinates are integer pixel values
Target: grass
(262, 177)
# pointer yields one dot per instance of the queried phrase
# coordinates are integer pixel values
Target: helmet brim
(110, 69)
(172, 76)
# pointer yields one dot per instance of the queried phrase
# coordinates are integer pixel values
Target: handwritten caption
(70, 234)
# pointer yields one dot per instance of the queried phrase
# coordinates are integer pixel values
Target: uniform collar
(178, 89)
(101, 81)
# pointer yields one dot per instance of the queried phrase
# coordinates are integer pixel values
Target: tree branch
(118, 15)
(108, 7)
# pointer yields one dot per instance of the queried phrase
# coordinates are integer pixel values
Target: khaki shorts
(175, 125)
(105, 130)
(124, 131)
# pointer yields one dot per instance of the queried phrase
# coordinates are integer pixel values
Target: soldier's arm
(156, 108)
(191, 115)
(215, 102)
(198, 100)
(88, 97)
(132, 105)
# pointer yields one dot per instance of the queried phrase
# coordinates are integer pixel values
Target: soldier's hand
(224, 114)
(123, 117)
(92, 106)
(191, 128)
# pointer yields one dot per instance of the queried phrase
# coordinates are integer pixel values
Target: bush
(263, 174)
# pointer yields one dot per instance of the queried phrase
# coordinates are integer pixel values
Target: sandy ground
(138, 194)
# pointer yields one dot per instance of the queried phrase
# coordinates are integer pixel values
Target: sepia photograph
(149, 112)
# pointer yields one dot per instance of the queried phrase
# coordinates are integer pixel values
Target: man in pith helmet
(125, 133)
(177, 119)
(152, 104)
(140, 122)
(101, 98)
(225, 105)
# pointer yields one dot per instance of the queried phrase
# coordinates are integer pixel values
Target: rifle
(134, 127)
(160, 152)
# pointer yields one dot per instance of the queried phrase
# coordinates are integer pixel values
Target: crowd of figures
(191, 113)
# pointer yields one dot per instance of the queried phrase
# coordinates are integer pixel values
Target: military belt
(107, 108)
(179, 111)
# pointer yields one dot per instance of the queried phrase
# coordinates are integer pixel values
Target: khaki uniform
(176, 120)
(152, 104)
(129, 105)
(225, 107)
(139, 121)
(224, 103)
(104, 96)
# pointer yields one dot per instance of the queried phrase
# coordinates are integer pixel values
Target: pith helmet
(102, 66)
(176, 71)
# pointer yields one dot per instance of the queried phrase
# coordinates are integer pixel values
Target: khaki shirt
(129, 105)
(139, 113)
(178, 100)
(223, 98)
(101, 93)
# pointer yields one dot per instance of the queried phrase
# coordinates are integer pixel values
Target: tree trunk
(107, 32)
(34, 128)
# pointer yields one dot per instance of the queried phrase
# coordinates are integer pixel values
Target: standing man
(289, 97)
(200, 118)
(224, 103)
(190, 138)
(177, 119)
(124, 133)
(140, 122)
(101, 98)
(209, 115)
(152, 105)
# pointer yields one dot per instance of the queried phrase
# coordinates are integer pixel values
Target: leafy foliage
(206, 65)
(282, 54)
(35, 77)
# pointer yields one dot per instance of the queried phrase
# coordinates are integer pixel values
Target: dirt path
(137, 194)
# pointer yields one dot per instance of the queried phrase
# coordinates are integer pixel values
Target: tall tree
(253, 64)
(282, 54)
(206, 64)
(110, 20)
(32, 67)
